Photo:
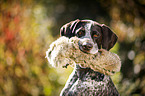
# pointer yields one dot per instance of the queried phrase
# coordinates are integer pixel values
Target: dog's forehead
(85, 24)
(90, 25)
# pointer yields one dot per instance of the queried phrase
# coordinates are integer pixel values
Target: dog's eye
(95, 36)
(81, 33)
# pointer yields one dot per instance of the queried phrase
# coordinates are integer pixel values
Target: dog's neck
(84, 72)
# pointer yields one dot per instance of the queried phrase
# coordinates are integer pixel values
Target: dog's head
(92, 35)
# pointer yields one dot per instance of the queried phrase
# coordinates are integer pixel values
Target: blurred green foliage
(27, 27)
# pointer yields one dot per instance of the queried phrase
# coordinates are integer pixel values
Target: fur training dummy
(65, 51)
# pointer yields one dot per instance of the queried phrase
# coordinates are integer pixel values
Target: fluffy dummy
(65, 51)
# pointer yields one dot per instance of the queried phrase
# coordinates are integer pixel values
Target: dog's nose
(87, 46)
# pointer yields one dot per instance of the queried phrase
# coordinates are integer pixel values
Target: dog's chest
(91, 82)
(89, 85)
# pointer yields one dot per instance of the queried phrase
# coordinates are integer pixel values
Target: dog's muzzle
(85, 46)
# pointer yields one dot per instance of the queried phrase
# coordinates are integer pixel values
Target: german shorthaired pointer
(85, 81)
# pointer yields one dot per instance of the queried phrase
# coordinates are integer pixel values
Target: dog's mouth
(85, 47)
(88, 48)
(83, 50)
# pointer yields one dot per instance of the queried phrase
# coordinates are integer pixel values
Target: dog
(85, 81)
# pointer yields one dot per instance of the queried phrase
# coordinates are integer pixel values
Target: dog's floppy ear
(68, 29)
(108, 37)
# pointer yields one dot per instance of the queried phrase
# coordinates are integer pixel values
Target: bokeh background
(28, 27)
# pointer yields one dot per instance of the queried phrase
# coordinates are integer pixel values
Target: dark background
(27, 27)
